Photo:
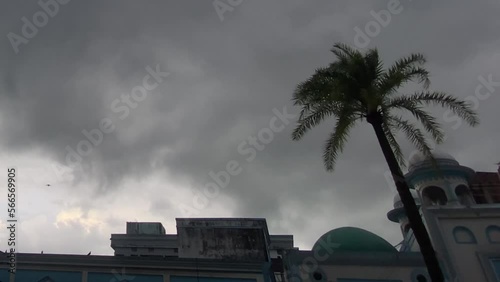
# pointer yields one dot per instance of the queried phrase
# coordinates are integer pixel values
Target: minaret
(444, 183)
(398, 213)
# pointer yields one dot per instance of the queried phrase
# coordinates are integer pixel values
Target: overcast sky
(213, 78)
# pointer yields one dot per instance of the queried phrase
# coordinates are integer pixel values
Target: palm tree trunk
(409, 204)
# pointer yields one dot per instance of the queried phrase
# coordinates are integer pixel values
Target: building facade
(461, 210)
(203, 250)
(459, 206)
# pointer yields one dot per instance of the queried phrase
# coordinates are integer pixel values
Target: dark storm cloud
(225, 79)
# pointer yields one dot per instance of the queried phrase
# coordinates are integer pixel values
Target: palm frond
(415, 59)
(373, 64)
(341, 48)
(398, 153)
(350, 60)
(311, 117)
(459, 107)
(314, 88)
(389, 82)
(335, 144)
(429, 122)
(414, 134)
(406, 69)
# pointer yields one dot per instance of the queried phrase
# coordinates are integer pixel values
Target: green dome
(352, 239)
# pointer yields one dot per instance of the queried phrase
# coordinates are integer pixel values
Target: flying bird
(89, 254)
(47, 185)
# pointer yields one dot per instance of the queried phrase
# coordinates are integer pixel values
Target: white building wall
(468, 257)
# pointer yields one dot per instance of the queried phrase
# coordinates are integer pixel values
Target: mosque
(461, 210)
(459, 206)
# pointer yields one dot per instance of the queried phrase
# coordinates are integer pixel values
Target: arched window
(463, 235)
(493, 234)
(464, 196)
(434, 196)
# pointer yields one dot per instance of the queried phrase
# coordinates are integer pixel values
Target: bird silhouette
(47, 185)
(89, 254)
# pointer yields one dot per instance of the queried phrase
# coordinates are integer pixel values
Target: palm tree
(356, 87)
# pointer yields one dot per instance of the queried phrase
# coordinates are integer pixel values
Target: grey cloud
(226, 77)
